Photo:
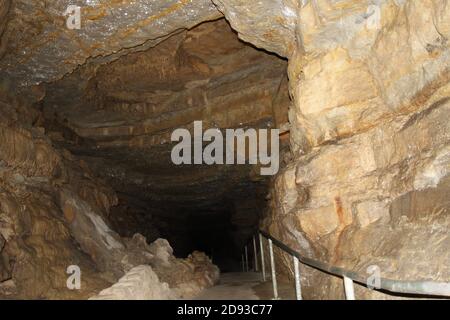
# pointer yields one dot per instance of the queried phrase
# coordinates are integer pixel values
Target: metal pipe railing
(423, 288)
(298, 287)
(263, 263)
(273, 271)
(246, 258)
(255, 254)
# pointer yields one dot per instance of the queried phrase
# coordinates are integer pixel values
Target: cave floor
(246, 286)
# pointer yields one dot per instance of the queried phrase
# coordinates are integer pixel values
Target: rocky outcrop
(190, 276)
(170, 278)
(140, 283)
(369, 137)
(40, 47)
(373, 208)
(37, 246)
(270, 25)
(54, 214)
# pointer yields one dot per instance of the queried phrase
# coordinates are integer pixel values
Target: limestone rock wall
(368, 183)
(37, 242)
(54, 214)
(40, 47)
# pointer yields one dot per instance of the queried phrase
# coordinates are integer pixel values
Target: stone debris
(170, 278)
(72, 230)
(140, 283)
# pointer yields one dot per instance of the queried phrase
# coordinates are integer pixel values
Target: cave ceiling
(113, 91)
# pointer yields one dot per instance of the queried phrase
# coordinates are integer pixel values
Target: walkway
(245, 286)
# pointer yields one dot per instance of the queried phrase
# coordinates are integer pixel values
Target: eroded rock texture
(122, 115)
(173, 279)
(91, 151)
(39, 47)
(85, 157)
(370, 138)
(54, 215)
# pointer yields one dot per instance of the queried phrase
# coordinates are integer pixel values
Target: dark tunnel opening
(119, 118)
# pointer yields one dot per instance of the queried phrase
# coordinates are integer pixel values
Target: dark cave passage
(119, 119)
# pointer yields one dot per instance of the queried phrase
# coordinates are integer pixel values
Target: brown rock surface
(122, 116)
(85, 157)
(39, 47)
(37, 244)
(170, 278)
(53, 214)
(370, 136)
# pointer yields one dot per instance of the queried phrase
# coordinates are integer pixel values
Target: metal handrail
(424, 288)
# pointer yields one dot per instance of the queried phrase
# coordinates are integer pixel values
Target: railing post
(274, 274)
(255, 254)
(298, 288)
(246, 258)
(427, 288)
(349, 289)
(263, 264)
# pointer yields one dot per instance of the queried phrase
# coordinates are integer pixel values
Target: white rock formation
(140, 283)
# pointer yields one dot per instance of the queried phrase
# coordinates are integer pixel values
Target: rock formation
(54, 215)
(368, 183)
(360, 90)
(121, 116)
(170, 278)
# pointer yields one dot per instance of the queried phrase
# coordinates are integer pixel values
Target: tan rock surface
(365, 182)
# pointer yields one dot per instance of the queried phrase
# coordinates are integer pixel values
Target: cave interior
(118, 118)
